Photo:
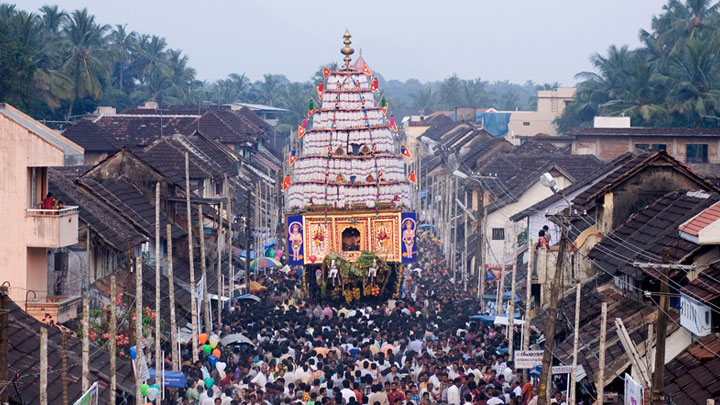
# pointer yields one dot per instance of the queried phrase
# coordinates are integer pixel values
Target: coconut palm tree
(268, 90)
(423, 101)
(123, 44)
(152, 57)
(693, 78)
(84, 64)
(52, 19)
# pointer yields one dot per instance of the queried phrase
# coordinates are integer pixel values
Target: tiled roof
(631, 166)
(517, 172)
(129, 200)
(225, 126)
(91, 137)
(687, 132)
(479, 147)
(694, 225)
(112, 227)
(693, 376)
(24, 360)
(649, 231)
(168, 158)
(705, 287)
(636, 315)
(440, 125)
(595, 177)
(140, 130)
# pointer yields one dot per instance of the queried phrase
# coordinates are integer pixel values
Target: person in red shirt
(395, 397)
(48, 203)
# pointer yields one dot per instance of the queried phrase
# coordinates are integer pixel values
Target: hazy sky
(517, 40)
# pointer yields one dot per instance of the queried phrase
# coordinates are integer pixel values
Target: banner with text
(528, 358)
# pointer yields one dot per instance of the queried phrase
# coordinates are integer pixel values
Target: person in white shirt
(347, 392)
(495, 400)
(453, 393)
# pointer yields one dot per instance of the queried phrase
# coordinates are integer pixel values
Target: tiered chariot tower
(348, 192)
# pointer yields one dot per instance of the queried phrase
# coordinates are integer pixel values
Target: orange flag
(367, 70)
(412, 178)
(301, 131)
(286, 183)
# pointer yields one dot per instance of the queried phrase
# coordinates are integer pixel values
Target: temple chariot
(348, 191)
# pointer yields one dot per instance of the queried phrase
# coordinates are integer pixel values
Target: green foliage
(16, 71)
(672, 80)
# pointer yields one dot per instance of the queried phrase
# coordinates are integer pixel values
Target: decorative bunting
(301, 131)
(320, 91)
(367, 70)
(405, 152)
(412, 178)
(286, 183)
(374, 85)
(304, 123)
(384, 107)
(293, 157)
(326, 72)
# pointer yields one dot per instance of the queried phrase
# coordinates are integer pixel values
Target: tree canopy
(672, 80)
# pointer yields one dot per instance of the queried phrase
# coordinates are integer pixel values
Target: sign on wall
(695, 316)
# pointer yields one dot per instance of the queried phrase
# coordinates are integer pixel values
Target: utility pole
(544, 391)
(193, 304)
(248, 236)
(113, 339)
(511, 307)
(528, 294)
(4, 364)
(600, 382)
(138, 330)
(86, 345)
(203, 268)
(63, 355)
(228, 246)
(658, 386)
(481, 228)
(158, 357)
(171, 294)
(43, 366)
(219, 266)
(576, 338)
(465, 246)
(501, 283)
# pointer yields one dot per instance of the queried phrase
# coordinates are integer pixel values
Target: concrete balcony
(53, 309)
(51, 228)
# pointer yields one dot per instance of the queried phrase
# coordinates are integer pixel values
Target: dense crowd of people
(420, 349)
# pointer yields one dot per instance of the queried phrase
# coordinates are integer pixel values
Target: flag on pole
(301, 131)
(405, 152)
(320, 91)
(385, 107)
(412, 178)
(367, 70)
(374, 85)
(293, 157)
(326, 72)
(286, 183)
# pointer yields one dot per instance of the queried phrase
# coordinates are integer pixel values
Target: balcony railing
(51, 228)
(58, 212)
